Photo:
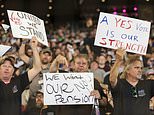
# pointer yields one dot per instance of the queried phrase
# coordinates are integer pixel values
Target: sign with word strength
(25, 25)
(68, 88)
(115, 31)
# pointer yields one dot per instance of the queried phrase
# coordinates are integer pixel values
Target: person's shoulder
(122, 81)
(149, 81)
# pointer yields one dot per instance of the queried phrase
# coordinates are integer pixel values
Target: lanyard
(95, 108)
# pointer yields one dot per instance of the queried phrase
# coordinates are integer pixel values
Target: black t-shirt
(10, 95)
(129, 100)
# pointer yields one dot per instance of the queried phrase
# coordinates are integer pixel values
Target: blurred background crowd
(70, 32)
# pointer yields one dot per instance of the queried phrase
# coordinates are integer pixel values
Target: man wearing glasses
(131, 94)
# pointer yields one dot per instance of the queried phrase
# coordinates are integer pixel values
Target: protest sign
(5, 27)
(115, 31)
(4, 49)
(25, 25)
(68, 88)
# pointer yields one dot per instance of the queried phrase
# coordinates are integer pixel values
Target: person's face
(109, 58)
(135, 70)
(29, 52)
(80, 65)
(57, 51)
(39, 100)
(6, 71)
(101, 61)
(94, 66)
(45, 58)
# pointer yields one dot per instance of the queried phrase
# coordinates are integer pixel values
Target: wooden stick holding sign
(25, 25)
(68, 88)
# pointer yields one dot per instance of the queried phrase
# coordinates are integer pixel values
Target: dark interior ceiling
(74, 10)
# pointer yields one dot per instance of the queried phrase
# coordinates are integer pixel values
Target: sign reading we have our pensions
(68, 88)
(115, 31)
(25, 25)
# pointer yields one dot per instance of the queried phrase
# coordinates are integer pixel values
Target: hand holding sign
(33, 42)
(96, 94)
(120, 54)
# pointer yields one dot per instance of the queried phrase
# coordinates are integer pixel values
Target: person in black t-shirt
(131, 94)
(11, 87)
(80, 64)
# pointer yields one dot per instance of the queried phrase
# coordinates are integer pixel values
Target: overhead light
(115, 10)
(50, 1)
(48, 15)
(103, 0)
(2, 6)
(3, 21)
(135, 8)
(115, 13)
(124, 10)
(98, 10)
(46, 22)
(50, 7)
(2, 14)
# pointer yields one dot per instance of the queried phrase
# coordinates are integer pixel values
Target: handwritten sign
(25, 25)
(4, 49)
(115, 31)
(68, 88)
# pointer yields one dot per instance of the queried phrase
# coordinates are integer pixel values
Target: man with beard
(37, 107)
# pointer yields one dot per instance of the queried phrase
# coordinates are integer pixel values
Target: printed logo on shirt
(14, 89)
(141, 93)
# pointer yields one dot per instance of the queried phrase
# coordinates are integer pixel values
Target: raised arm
(59, 60)
(115, 69)
(36, 60)
(22, 54)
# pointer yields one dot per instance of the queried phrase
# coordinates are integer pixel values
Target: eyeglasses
(83, 63)
(39, 96)
(134, 92)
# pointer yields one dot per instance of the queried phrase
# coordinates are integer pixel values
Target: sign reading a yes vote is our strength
(25, 25)
(115, 31)
(68, 88)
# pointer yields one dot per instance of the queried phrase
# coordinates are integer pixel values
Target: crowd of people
(118, 82)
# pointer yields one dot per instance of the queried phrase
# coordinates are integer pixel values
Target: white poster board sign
(68, 88)
(115, 31)
(25, 25)
(4, 49)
